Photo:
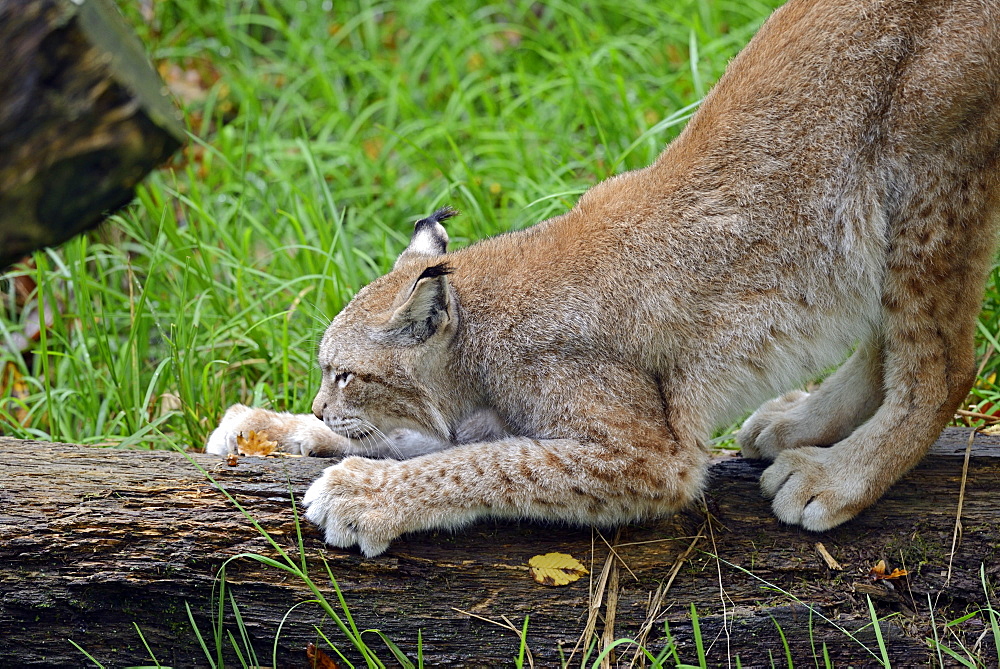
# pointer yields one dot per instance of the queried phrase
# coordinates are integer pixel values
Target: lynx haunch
(836, 192)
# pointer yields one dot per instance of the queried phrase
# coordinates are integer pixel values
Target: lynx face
(384, 356)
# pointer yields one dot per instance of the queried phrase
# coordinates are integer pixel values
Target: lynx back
(834, 197)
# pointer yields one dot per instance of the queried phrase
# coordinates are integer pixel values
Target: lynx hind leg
(928, 368)
(299, 434)
(820, 488)
(845, 400)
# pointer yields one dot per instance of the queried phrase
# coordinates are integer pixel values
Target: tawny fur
(837, 191)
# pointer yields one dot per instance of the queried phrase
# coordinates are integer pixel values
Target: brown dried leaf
(256, 443)
(373, 147)
(475, 61)
(24, 286)
(878, 572)
(318, 659)
(504, 40)
(25, 308)
(164, 404)
(190, 80)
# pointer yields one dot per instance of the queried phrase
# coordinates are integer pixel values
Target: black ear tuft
(429, 236)
(441, 269)
(439, 216)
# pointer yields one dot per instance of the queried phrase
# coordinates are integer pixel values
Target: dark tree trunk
(83, 118)
(92, 541)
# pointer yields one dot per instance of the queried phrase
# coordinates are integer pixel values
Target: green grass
(320, 136)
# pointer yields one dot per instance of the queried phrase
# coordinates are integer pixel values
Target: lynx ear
(429, 236)
(424, 310)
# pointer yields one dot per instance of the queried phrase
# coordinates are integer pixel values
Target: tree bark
(94, 540)
(83, 118)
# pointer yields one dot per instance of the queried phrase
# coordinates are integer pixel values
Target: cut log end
(83, 119)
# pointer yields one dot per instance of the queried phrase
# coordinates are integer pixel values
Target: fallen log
(83, 118)
(97, 544)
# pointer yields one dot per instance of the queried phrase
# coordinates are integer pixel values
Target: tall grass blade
(699, 644)
(333, 646)
(878, 634)
(523, 644)
(991, 611)
(847, 633)
(604, 654)
(145, 645)
(236, 649)
(784, 641)
(86, 654)
(218, 627)
(968, 662)
(400, 656)
(198, 636)
(281, 625)
(244, 635)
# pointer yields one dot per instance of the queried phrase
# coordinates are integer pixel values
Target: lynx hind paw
(342, 503)
(809, 487)
(765, 433)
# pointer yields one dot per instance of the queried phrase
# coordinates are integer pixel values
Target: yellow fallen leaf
(256, 443)
(556, 569)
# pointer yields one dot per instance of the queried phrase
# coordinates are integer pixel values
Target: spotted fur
(836, 192)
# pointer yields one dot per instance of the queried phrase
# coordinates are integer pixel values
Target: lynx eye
(343, 379)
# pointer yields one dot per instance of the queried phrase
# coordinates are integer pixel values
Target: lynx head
(385, 354)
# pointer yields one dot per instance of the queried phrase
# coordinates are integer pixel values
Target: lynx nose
(319, 408)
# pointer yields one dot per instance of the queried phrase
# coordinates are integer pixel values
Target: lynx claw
(344, 506)
(808, 488)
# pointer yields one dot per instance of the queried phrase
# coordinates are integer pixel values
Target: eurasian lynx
(836, 191)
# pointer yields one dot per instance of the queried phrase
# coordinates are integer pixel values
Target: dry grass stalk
(961, 500)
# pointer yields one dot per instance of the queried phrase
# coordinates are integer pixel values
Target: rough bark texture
(92, 541)
(83, 118)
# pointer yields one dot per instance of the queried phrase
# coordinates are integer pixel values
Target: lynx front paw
(348, 505)
(222, 441)
(767, 432)
(298, 434)
(810, 487)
